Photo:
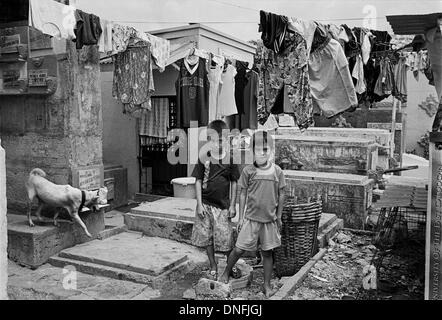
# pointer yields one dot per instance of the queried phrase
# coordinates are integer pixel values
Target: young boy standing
(216, 189)
(262, 185)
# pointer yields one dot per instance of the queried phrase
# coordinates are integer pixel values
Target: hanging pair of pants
(289, 71)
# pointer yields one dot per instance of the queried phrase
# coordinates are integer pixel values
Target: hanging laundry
(88, 29)
(382, 40)
(250, 117)
(154, 123)
(385, 83)
(52, 18)
(105, 41)
(339, 34)
(263, 109)
(352, 47)
(215, 73)
(227, 104)
(192, 87)
(366, 44)
(358, 74)
(331, 83)
(121, 36)
(306, 28)
(400, 79)
(240, 84)
(274, 29)
(160, 51)
(133, 80)
(289, 69)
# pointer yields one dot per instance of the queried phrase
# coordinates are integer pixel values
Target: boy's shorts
(252, 233)
(215, 229)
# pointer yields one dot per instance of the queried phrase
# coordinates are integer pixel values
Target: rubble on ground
(339, 275)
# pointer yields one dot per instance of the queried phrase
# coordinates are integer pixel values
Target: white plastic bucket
(184, 188)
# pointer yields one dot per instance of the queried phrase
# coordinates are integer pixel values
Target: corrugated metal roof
(413, 24)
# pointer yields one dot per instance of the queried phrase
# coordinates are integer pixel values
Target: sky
(240, 18)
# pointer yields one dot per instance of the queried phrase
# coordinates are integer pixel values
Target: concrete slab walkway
(51, 283)
(135, 252)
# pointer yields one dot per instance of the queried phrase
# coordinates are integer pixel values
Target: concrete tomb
(326, 154)
(345, 195)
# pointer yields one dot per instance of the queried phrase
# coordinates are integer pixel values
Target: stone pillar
(60, 133)
(433, 263)
(3, 228)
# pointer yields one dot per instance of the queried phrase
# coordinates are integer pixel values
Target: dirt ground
(338, 276)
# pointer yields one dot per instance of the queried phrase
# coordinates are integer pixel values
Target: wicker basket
(300, 224)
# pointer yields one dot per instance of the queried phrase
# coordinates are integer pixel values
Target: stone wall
(3, 228)
(56, 133)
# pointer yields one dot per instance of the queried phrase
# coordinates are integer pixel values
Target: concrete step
(110, 231)
(155, 282)
(133, 257)
(32, 247)
(329, 232)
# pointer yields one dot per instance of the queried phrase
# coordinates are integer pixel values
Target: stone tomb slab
(326, 154)
(131, 252)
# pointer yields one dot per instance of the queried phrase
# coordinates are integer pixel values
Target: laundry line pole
(396, 106)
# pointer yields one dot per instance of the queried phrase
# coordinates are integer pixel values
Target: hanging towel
(52, 18)
(358, 74)
(155, 123)
(105, 41)
(160, 51)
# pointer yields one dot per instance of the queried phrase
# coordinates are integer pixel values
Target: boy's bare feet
(225, 278)
(269, 291)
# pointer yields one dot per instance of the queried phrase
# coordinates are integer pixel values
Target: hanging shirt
(88, 29)
(52, 18)
(250, 117)
(192, 87)
(215, 74)
(331, 83)
(133, 80)
(240, 84)
(227, 104)
(121, 36)
(274, 29)
(105, 41)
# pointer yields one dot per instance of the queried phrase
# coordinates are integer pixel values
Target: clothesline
(59, 20)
